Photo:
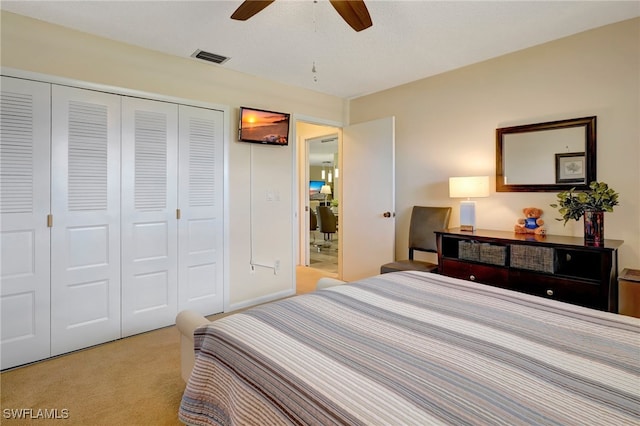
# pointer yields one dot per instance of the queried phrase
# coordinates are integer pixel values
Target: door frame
(305, 251)
(301, 166)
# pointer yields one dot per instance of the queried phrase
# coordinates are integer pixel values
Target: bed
(412, 348)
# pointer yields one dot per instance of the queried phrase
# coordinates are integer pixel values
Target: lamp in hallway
(468, 187)
(326, 190)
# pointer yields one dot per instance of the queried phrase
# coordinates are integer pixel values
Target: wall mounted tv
(262, 126)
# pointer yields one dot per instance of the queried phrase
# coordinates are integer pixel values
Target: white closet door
(149, 224)
(24, 205)
(85, 256)
(200, 198)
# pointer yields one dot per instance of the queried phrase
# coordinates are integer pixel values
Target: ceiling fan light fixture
(249, 8)
(354, 12)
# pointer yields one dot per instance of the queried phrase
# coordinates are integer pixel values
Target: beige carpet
(132, 381)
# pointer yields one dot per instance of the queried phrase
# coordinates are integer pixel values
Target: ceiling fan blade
(248, 8)
(354, 12)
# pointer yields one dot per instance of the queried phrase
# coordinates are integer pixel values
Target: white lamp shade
(469, 187)
(326, 189)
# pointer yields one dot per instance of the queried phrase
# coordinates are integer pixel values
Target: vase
(594, 227)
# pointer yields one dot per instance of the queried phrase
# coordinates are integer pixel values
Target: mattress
(412, 348)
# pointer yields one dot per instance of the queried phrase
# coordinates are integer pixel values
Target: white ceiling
(409, 40)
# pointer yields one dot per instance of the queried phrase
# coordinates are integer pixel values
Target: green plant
(334, 202)
(572, 204)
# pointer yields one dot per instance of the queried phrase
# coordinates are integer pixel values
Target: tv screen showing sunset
(264, 126)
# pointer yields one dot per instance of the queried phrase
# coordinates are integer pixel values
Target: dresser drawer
(584, 293)
(552, 266)
(494, 275)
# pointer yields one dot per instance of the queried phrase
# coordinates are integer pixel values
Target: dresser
(552, 266)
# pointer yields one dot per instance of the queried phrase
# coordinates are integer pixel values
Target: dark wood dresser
(551, 266)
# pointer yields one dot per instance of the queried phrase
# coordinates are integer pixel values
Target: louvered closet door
(200, 198)
(24, 236)
(149, 224)
(85, 257)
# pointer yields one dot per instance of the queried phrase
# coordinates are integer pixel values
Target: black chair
(424, 222)
(327, 223)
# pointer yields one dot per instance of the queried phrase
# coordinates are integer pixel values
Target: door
(85, 203)
(149, 223)
(200, 200)
(24, 205)
(367, 221)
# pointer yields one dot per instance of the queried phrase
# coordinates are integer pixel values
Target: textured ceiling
(409, 40)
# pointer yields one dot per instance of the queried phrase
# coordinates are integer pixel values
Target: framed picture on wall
(570, 167)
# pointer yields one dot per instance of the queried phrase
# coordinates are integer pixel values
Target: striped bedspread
(413, 348)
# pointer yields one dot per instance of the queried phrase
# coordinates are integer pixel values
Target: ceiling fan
(354, 12)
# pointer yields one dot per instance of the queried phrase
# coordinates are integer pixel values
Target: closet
(111, 216)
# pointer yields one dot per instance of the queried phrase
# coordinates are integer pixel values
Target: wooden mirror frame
(589, 123)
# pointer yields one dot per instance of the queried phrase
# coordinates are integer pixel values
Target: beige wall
(35, 46)
(445, 126)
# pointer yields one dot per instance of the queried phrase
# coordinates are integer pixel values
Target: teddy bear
(531, 224)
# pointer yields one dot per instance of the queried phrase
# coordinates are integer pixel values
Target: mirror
(552, 156)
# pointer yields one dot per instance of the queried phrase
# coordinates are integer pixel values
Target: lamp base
(467, 216)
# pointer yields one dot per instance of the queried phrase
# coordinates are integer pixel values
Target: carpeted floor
(132, 381)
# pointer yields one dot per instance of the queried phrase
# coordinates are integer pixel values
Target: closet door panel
(85, 258)
(200, 198)
(149, 224)
(25, 142)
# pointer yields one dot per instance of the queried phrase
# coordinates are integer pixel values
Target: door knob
(387, 214)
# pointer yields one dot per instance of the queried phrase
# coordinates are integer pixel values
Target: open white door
(367, 217)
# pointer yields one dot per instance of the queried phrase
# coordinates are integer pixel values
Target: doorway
(318, 163)
(323, 202)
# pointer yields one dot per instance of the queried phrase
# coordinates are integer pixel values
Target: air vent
(211, 57)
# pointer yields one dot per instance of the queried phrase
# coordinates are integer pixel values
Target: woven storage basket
(495, 255)
(468, 250)
(533, 258)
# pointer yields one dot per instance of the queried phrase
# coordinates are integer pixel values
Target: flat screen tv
(314, 190)
(262, 126)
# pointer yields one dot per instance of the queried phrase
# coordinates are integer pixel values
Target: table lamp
(326, 190)
(468, 187)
